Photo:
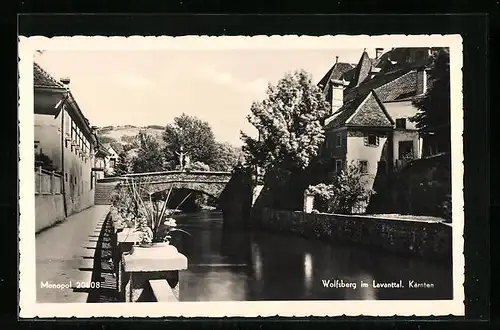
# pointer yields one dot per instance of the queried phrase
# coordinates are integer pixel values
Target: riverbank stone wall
(430, 240)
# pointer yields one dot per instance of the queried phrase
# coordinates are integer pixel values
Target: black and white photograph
(241, 176)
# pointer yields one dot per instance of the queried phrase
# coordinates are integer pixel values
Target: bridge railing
(131, 175)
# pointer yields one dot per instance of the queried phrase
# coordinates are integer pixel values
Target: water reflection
(242, 265)
(257, 262)
(308, 273)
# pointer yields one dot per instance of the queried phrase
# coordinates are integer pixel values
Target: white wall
(402, 109)
(356, 150)
(49, 209)
(406, 136)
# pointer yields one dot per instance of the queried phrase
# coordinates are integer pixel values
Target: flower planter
(159, 261)
(125, 241)
(154, 244)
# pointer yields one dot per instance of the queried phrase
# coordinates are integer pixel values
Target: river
(245, 266)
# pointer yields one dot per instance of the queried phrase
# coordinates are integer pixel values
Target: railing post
(52, 184)
(308, 202)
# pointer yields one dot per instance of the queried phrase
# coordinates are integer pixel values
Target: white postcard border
(27, 265)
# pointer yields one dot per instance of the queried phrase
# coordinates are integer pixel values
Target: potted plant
(124, 209)
(153, 218)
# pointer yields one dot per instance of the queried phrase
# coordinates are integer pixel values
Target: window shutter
(377, 140)
(366, 140)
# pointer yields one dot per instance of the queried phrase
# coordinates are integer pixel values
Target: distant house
(371, 106)
(100, 161)
(111, 158)
(64, 151)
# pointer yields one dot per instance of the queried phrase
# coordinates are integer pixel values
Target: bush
(197, 166)
(346, 193)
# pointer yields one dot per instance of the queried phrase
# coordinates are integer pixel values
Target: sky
(153, 87)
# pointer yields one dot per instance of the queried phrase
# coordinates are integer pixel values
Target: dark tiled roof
(370, 112)
(363, 70)
(42, 78)
(335, 72)
(346, 111)
(402, 87)
(372, 84)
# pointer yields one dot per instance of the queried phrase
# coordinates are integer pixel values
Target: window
(338, 165)
(401, 123)
(405, 151)
(338, 142)
(91, 180)
(363, 166)
(371, 140)
(66, 177)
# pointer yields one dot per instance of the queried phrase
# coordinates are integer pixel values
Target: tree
(434, 115)
(149, 155)
(123, 164)
(290, 126)
(226, 157)
(347, 192)
(194, 135)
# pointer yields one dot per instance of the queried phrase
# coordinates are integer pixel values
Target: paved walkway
(65, 256)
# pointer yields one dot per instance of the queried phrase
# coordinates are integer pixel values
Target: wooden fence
(47, 182)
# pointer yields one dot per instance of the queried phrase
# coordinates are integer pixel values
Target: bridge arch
(210, 183)
(211, 189)
(234, 190)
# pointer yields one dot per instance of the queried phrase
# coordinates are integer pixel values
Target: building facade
(64, 145)
(371, 102)
(100, 162)
(111, 159)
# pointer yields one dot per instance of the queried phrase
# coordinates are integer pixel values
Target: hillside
(124, 134)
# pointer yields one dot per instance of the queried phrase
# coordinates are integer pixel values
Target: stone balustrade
(144, 273)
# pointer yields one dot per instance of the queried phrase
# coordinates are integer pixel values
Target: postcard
(241, 176)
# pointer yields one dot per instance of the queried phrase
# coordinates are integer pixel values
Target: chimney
(378, 52)
(337, 96)
(65, 81)
(421, 81)
(336, 59)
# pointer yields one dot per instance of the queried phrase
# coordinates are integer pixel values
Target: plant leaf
(181, 230)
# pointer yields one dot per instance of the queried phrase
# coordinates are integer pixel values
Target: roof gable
(339, 118)
(42, 78)
(363, 70)
(371, 112)
(337, 72)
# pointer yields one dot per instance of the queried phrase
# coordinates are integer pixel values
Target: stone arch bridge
(210, 183)
(234, 190)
